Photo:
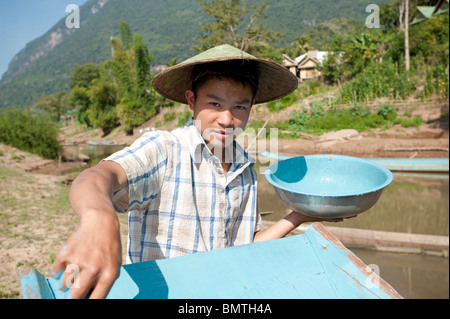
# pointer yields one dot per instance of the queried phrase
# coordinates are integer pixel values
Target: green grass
(319, 121)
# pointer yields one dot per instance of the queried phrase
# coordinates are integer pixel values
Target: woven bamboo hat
(275, 81)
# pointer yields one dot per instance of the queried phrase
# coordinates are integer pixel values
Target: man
(189, 190)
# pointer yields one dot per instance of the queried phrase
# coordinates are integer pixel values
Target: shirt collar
(197, 144)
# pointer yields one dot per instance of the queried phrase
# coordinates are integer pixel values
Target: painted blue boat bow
(311, 265)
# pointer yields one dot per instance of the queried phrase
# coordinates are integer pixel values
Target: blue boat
(313, 265)
(426, 165)
(100, 143)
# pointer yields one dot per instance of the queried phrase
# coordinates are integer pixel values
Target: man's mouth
(223, 134)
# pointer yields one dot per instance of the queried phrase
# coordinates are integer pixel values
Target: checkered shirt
(180, 201)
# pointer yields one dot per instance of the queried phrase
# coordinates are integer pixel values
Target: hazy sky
(22, 21)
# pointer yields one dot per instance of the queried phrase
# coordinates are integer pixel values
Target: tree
(365, 47)
(330, 69)
(102, 109)
(300, 46)
(406, 24)
(130, 67)
(125, 35)
(79, 101)
(237, 24)
(54, 105)
(430, 40)
(389, 15)
(172, 62)
(83, 75)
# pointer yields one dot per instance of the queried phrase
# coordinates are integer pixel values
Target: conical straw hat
(275, 81)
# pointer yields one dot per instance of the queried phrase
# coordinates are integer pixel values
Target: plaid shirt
(179, 199)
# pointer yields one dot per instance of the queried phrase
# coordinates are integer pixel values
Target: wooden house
(290, 64)
(305, 66)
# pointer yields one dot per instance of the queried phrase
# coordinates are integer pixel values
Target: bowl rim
(389, 176)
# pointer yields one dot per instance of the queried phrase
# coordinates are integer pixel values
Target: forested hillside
(169, 28)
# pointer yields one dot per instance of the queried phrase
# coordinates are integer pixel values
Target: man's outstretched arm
(95, 247)
(286, 225)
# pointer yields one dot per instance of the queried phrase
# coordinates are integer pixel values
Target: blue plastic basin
(328, 186)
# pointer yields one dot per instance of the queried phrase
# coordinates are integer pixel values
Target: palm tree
(300, 46)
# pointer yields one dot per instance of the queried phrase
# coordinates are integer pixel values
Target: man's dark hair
(242, 71)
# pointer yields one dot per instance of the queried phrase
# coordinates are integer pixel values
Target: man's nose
(226, 118)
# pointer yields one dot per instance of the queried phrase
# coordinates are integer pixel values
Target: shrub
(378, 80)
(31, 132)
(409, 122)
(281, 104)
(169, 117)
(183, 117)
(387, 112)
(437, 81)
(361, 119)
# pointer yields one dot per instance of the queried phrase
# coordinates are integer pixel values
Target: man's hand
(94, 250)
(289, 223)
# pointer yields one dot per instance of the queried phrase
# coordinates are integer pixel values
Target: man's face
(221, 110)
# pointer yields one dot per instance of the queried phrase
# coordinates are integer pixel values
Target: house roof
(288, 58)
(288, 61)
(441, 7)
(427, 12)
(317, 56)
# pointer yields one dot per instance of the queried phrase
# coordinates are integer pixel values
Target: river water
(416, 204)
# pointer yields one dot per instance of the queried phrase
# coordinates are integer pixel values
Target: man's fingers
(97, 284)
(83, 268)
(79, 283)
(57, 270)
(104, 283)
(83, 282)
(59, 264)
(70, 277)
(89, 280)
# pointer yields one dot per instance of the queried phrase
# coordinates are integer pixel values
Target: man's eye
(214, 104)
(241, 107)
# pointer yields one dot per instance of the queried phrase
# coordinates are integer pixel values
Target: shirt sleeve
(144, 162)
